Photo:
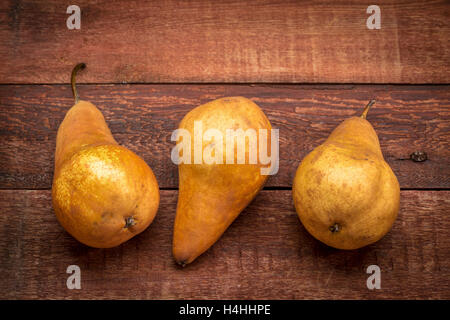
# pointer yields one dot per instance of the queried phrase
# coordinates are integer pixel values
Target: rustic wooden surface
(186, 53)
(142, 117)
(265, 254)
(226, 41)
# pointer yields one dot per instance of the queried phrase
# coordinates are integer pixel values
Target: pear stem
(366, 109)
(79, 66)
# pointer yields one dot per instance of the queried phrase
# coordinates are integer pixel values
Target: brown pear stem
(366, 109)
(79, 66)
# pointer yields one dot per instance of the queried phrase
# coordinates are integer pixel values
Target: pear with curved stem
(103, 194)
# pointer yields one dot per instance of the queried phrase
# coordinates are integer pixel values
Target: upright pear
(103, 194)
(344, 192)
(211, 195)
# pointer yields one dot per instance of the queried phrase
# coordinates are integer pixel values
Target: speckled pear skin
(103, 194)
(344, 192)
(211, 196)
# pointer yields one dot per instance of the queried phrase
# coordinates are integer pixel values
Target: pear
(345, 194)
(211, 196)
(103, 194)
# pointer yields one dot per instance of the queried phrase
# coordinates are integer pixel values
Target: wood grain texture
(265, 254)
(226, 41)
(142, 117)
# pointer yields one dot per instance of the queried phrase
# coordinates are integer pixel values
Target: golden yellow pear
(211, 196)
(344, 192)
(103, 194)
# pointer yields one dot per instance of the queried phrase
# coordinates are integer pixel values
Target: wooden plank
(142, 117)
(265, 254)
(227, 41)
